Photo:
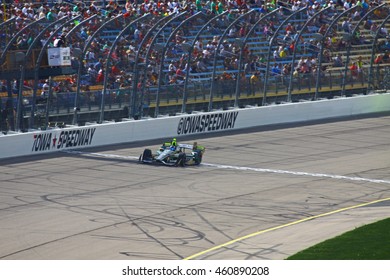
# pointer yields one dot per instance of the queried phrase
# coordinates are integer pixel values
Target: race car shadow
(113, 158)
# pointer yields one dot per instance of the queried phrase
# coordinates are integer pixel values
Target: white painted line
(243, 168)
(297, 173)
(100, 155)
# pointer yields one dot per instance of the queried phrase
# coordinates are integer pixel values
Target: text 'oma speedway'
(66, 139)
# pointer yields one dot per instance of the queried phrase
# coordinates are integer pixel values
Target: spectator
(21, 42)
(254, 79)
(338, 61)
(386, 57)
(201, 66)
(275, 70)
(346, 25)
(383, 32)
(213, 7)
(220, 7)
(286, 70)
(92, 73)
(115, 70)
(50, 16)
(45, 89)
(359, 64)
(283, 53)
(60, 41)
(100, 77)
(172, 66)
(378, 59)
(354, 70)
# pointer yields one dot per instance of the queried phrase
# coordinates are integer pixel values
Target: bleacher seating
(150, 86)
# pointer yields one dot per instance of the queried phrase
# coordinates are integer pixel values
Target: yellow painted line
(282, 226)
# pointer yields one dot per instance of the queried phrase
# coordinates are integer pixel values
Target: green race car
(174, 155)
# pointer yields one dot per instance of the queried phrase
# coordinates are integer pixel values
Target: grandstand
(74, 62)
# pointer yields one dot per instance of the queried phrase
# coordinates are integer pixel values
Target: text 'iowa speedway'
(208, 122)
(65, 139)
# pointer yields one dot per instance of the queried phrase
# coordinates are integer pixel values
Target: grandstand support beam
(4, 11)
(27, 55)
(133, 99)
(216, 50)
(296, 42)
(253, 28)
(5, 26)
(322, 44)
(16, 36)
(164, 50)
(38, 64)
(86, 47)
(19, 113)
(350, 44)
(370, 69)
(152, 45)
(190, 50)
(50, 94)
(75, 28)
(112, 48)
(23, 68)
(271, 43)
(7, 22)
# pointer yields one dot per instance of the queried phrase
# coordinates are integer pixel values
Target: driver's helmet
(172, 148)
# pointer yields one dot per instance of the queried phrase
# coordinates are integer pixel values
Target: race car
(174, 155)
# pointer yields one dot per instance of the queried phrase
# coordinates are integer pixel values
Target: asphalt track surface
(263, 193)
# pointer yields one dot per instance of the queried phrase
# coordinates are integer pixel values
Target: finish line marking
(243, 168)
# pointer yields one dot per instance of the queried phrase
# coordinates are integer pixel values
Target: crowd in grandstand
(203, 52)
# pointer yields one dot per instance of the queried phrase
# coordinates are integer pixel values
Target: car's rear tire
(197, 157)
(146, 155)
(181, 160)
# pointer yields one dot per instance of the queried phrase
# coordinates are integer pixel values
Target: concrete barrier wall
(74, 137)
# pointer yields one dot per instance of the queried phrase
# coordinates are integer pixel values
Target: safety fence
(94, 68)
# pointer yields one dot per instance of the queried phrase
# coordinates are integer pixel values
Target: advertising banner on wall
(59, 56)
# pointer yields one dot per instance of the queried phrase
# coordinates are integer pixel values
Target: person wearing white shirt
(232, 32)
(172, 66)
(61, 13)
(276, 54)
(24, 9)
(295, 7)
(42, 14)
(45, 89)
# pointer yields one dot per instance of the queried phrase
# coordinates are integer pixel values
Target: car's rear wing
(183, 146)
(191, 146)
(186, 146)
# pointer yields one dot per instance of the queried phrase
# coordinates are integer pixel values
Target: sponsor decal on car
(207, 122)
(67, 138)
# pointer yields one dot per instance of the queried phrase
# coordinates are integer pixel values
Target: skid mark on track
(233, 241)
(254, 169)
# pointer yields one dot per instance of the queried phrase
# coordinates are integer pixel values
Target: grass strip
(369, 242)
